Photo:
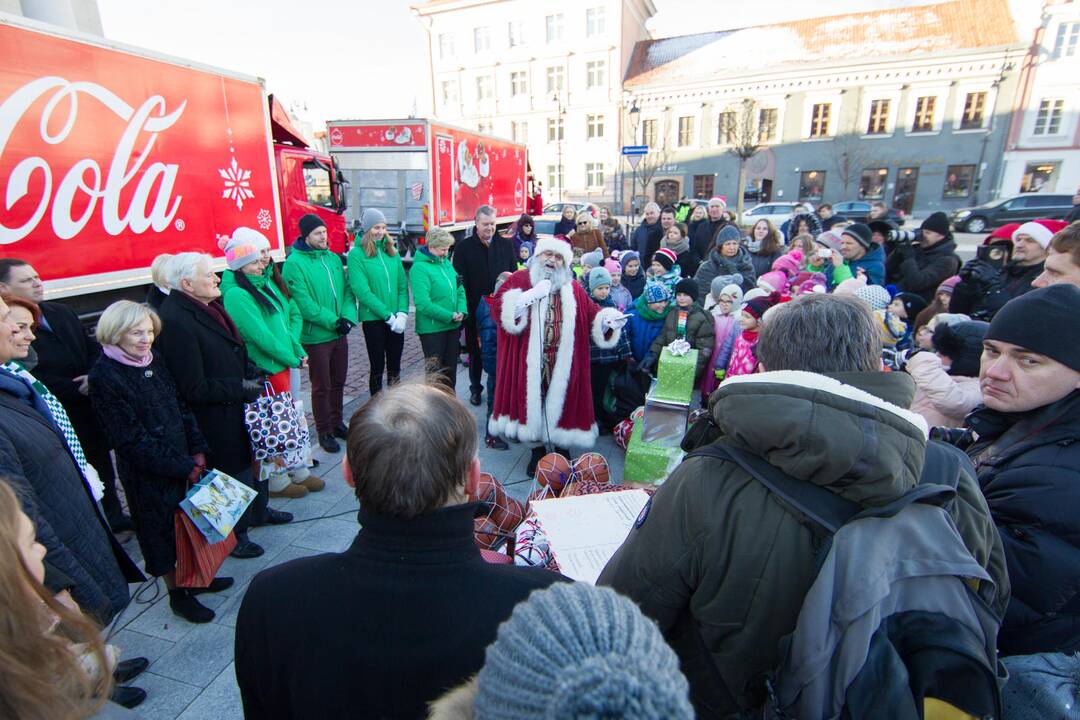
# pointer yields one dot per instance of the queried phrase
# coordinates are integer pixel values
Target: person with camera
(918, 262)
(1004, 268)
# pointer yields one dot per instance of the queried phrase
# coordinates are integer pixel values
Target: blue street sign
(635, 150)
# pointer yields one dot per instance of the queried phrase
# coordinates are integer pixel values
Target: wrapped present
(650, 462)
(664, 422)
(675, 376)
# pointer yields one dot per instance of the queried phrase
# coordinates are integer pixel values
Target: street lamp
(635, 118)
(559, 136)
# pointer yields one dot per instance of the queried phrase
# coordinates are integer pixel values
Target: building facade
(545, 74)
(1042, 153)
(908, 106)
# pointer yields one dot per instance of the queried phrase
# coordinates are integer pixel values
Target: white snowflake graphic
(264, 219)
(237, 185)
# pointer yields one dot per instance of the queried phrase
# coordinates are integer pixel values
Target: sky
(343, 59)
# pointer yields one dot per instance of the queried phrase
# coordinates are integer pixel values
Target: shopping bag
(215, 503)
(197, 561)
(274, 425)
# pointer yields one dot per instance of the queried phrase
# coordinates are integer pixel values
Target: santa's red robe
(564, 417)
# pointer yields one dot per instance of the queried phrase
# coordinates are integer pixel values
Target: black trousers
(600, 374)
(441, 351)
(384, 353)
(472, 344)
(256, 511)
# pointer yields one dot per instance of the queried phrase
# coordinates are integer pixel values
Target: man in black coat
(479, 259)
(984, 288)
(207, 358)
(647, 235)
(1028, 460)
(920, 268)
(405, 613)
(703, 232)
(65, 354)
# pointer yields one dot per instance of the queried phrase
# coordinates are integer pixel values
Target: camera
(904, 237)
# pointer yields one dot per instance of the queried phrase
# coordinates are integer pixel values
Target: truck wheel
(975, 224)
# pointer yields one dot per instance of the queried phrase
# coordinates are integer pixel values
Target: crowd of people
(851, 356)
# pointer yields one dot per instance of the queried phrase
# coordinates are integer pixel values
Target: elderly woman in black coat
(159, 449)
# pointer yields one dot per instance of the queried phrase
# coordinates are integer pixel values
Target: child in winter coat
(647, 319)
(619, 294)
(664, 269)
(726, 330)
(633, 278)
(525, 252)
(947, 382)
(589, 261)
(688, 321)
(604, 361)
(743, 358)
(489, 334)
(716, 287)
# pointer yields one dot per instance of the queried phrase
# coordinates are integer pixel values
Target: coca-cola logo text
(152, 204)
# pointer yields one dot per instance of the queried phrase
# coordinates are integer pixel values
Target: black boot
(374, 385)
(183, 603)
(245, 548)
(534, 460)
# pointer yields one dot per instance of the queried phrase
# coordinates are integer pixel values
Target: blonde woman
(159, 290)
(377, 279)
(440, 304)
(587, 237)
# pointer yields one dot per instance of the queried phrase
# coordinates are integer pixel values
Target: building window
(872, 183)
(554, 176)
(767, 120)
(648, 133)
(449, 92)
(725, 128)
(974, 106)
(1048, 121)
(483, 87)
(554, 25)
(555, 79)
(1068, 36)
(595, 74)
(594, 126)
(924, 114)
(958, 181)
(518, 83)
(481, 39)
(879, 118)
(446, 46)
(1039, 177)
(811, 184)
(704, 185)
(517, 35)
(484, 126)
(555, 129)
(594, 175)
(519, 131)
(686, 131)
(819, 120)
(595, 22)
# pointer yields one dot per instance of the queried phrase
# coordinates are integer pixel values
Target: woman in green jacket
(377, 279)
(440, 303)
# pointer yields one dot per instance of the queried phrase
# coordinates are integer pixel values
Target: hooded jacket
(717, 264)
(643, 326)
(378, 283)
(699, 333)
(271, 341)
(437, 293)
(873, 263)
(920, 269)
(316, 280)
(723, 566)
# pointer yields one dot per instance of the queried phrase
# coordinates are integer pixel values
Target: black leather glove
(647, 363)
(981, 273)
(252, 389)
(344, 326)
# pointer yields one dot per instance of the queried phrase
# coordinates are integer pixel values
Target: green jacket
(378, 283)
(228, 282)
(316, 280)
(723, 566)
(272, 342)
(437, 293)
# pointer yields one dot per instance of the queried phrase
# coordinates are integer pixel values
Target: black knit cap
(1043, 321)
(688, 286)
(308, 223)
(962, 343)
(913, 304)
(861, 233)
(938, 222)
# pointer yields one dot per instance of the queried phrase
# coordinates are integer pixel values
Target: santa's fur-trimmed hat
(560, 247)
(1041, 231)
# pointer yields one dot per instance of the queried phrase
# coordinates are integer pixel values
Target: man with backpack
(724, 562)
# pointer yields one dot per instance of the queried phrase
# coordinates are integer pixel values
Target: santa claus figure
(545, 319)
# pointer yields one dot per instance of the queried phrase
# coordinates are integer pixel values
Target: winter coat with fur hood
(944, 400)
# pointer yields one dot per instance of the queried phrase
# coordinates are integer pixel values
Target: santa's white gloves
(612, 323)
(530, 297)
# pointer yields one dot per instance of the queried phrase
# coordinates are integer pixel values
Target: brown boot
(292, 490)
(313, 483)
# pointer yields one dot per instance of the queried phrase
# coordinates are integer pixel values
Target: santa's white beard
(540, 270)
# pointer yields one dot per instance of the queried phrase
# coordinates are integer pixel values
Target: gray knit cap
(370, 218)
(578, 651)
(722, 281)
(593, 259)
(728, 232)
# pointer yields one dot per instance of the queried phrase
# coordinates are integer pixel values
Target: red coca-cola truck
(110, 155)
(422, 173)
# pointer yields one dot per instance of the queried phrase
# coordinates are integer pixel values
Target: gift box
(675, 376)
(650, 462)
(664, 422)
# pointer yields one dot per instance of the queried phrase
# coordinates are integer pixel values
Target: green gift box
(675, 376)
(649, 462)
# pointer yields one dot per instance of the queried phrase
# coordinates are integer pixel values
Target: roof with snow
(942, 27)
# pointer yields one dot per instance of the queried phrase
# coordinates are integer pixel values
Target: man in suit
(65, 354)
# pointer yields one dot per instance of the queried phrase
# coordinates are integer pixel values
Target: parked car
(774, 212)
(1019, 208)
(557, 208)
(544, 225)
(858, 210)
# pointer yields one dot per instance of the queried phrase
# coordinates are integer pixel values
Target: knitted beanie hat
(1042, 321)
(948, 285)
(612, 266)
(734, 292)
(370, 218)
(627, 256)
(665, 257)
(773, 281)
(728, 233)
(961, 342)
(656, 292)
(593, 259)
(875, 296)
(722, 281)
(829, 239)
(308, 223)
(689, 287)
(913, 304)
(757, 306)
(527, 245)
(579, 651)
(937, 222)
(860, 233)
(789, 264)
(242, 248)
(598, 277)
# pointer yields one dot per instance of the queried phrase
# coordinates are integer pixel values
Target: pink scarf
(115, 352)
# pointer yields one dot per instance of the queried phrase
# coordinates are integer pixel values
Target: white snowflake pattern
(237, 184)
(264, 219)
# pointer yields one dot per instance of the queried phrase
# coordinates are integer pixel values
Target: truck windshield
(317, 182)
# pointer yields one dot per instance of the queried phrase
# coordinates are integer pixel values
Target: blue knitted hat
(728, 232)
(627, 256)
(656, 292)
(577, 651)
(598, 276)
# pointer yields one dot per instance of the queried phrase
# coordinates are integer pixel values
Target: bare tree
(745, 142)
(648, 167)
(850, 156)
